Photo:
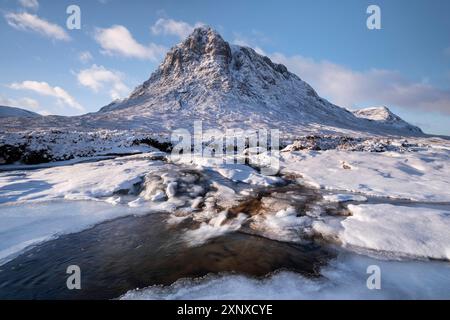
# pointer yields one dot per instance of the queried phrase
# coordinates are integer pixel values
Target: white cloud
(29, 4)
(253, 40)
(350, 88)
(243, 43)
(180, 29)
(29, 22)
(24, 103)
(97, 77)
(117, 40)
(85, 56)
(43, 88)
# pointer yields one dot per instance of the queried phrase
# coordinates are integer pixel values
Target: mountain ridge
(8, 111)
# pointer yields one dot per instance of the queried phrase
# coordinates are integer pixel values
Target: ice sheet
(26, 224)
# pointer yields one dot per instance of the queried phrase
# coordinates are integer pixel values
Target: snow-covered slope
(226, 86)
(384, 115)
(16, 112)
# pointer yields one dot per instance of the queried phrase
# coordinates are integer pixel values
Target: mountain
(226, 86)
(16, 112)
(385, 116)
(206, 78)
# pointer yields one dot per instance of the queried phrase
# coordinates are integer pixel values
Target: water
(136, 252)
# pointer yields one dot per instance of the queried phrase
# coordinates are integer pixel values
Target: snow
(85, 181)
(18, 167)
(170, 191)
(243, 173)
(343, 278)
(420, 176)
(343, 197)
(395, 231)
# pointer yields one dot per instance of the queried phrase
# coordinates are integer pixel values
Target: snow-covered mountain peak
(382, 114)
(204, 61)
(203, 43)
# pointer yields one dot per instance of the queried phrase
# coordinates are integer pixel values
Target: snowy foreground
(395, 213)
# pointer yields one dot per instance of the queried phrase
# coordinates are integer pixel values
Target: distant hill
(16, 112)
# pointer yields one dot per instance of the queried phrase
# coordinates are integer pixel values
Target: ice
(171, 189)
(422, 176)
(343, 197)
(236, 172)
(159, 196)
(394, 231)
(284, 225)
(26, 224)
(216, 227)
(344, 278)
(243, 173)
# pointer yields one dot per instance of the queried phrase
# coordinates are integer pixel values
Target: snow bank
(344, 278)
(86, 181)
(421, 176)
(392, 230)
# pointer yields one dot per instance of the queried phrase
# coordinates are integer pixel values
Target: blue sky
(406, 65)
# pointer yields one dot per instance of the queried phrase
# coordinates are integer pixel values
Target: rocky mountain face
(206, 78)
